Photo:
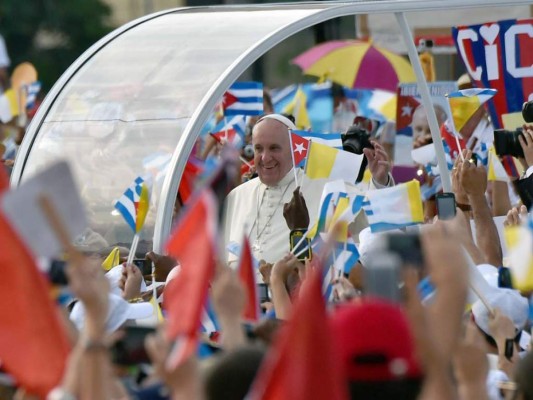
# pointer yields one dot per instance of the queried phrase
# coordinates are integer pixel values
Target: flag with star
(300, 146)
(409, 100)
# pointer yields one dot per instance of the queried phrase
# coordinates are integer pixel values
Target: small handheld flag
(133, 205)
(243, 98)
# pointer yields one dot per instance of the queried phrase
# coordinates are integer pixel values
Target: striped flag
(326, 162)
(464, 103)
(243, 98)
(394, 207)
(134, 203)
(229, 136)
(237, 123)
(329, 139)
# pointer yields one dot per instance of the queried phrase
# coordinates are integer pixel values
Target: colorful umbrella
(356, 64)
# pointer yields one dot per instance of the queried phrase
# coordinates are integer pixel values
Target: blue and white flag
(134, 203)
(32, 90)
(238, 122)
(243, 98)
(329, 139)
(346, 255)
(209, 322)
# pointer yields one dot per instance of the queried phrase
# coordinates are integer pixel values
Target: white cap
(280, 118)
(508, 301)
(119, 312)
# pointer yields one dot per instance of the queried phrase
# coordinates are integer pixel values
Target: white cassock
(256, 210)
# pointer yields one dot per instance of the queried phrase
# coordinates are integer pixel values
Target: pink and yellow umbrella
(356, 64)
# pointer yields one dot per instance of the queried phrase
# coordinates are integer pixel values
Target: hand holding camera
(378, 163)
(526, 142)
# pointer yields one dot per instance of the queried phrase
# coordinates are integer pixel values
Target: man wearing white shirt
(255, 208)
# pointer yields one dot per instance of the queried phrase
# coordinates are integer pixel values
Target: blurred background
(51, 34)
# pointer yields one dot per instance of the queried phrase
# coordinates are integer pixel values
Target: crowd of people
(421, 331)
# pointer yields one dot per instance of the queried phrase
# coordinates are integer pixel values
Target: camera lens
(248, 151)
(527, 111)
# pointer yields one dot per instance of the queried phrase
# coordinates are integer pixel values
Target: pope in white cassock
(255, 208)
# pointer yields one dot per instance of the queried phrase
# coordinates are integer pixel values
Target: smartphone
(295, 238)
(407, 246)
(262, 289)
(144, 265)
(129, 349)
(445, 205)
(382, 277)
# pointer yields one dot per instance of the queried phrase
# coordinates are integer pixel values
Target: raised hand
(295, 211)
(378, 163)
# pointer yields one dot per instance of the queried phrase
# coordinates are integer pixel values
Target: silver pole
(426, 101)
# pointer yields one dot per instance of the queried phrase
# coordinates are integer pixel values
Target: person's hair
(403, 389)
(439, 112)
(232, 374)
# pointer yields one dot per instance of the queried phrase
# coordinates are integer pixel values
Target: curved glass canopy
(140, 96)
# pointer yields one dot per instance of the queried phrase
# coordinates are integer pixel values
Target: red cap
(374, 341)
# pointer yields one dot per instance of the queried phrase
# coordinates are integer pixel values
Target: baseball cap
(119, 312)
(508, 301)
(374, 341)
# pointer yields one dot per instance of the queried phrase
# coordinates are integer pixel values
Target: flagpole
(133, 249)
(292, 157)
(426, 101)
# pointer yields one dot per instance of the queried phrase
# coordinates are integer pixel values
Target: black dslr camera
(506, 142)
(355, 140)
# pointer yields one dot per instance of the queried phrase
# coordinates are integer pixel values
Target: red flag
(193, 245)
(33, 343)
(300, 146)
(191, 172)
(302, 364)
(225, 136)
(4, 179)
(247, 277)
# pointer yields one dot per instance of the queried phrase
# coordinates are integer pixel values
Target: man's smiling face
(272, 153)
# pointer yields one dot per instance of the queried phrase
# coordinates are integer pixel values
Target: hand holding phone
(445, 205)
(382, 276)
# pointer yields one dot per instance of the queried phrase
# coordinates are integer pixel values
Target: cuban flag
(134, 203)
(300, 146)
(237, 123)
(498, 55)
(243, 98)
(32, 90)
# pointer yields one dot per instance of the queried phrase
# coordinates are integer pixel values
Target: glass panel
(121, 115)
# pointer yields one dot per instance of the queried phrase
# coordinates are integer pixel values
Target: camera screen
(445, 206)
